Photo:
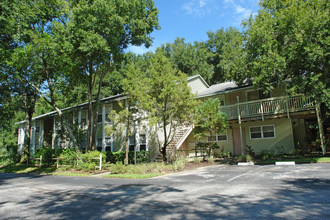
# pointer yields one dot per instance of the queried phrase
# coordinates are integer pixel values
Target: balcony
(268, 107)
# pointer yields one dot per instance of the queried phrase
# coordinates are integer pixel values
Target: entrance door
(237, 141)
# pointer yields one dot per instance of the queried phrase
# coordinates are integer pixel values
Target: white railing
(271, 106)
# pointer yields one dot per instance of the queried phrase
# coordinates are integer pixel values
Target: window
(106, 120)
(262, 132)
(142, 142)
(218, 137)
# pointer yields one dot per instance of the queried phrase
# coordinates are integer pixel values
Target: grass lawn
(23, 168)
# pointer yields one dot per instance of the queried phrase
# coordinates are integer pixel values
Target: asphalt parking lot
(217, 192)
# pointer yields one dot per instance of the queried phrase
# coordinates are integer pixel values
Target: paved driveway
(217, 192)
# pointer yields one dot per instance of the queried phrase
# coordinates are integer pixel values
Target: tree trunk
(29, 105)
(89, 121)
(96, 109)
(165, 143)
(127, 137)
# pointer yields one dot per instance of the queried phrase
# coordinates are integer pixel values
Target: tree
(163, 92)
(21, 21)
(98, 32)
(190, 59)
(217, 42)
(209, 121)
(288, 42)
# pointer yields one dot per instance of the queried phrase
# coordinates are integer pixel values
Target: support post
(79, 119)
(103, 128)
(42, 133)
(287, 107)
(40, 164)
(240, 126)
(147, 140)
(100, 162)
(111, 143)
(319, 122)
(33, 137)
(262, 111)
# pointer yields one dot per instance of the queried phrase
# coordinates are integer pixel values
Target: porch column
(96, 141)
(240, 126)
(103, 128)
(137, 135)
(59, 137)
(33, 137)
(147, 140)
(87, 129)
(65, 136)
(111, 108)
(41, 133)
(79, 119)
(21, 139)
(54, 133)
(147, 137)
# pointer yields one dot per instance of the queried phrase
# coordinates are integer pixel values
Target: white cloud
(199, 8)
(241, 9)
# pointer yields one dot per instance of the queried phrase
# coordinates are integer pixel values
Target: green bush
(179, 163)
(70, 157)
(48, 155)
(8, 154)
(265, 155)
(119, 156)
(249, 151)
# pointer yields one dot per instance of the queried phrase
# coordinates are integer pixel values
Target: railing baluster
(276, 105)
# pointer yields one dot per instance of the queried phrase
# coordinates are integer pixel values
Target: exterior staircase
(180, 136)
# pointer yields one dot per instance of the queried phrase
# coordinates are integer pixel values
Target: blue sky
(191, 19)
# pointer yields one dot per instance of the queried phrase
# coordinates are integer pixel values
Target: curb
(288, 163)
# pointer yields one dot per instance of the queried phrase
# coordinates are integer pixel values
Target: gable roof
(190, 78)
(221, 88)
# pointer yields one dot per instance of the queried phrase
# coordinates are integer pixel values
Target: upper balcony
(268, 107)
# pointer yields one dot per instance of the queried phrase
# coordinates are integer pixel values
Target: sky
(192, 19)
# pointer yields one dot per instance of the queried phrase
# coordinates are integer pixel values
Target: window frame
(216, 137)
(262, 131)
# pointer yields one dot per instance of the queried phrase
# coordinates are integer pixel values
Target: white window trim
(216, 137)
(262, 133)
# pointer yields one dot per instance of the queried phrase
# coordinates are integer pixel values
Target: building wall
(282, 142)
(196, 85)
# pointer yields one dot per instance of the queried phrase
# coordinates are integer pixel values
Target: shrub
(8, 154)
(250, 151)
(241, 158)
(47, 155)
(265, 155)
(197, 160)
(119, 156)
(210, 159)
(179, 163)
(70, 157)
